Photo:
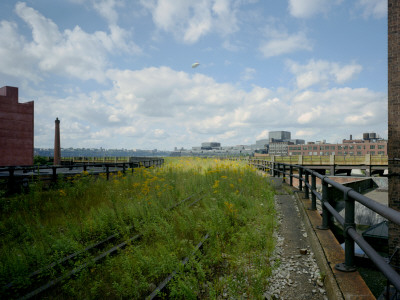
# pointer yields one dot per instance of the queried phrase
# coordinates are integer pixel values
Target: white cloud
(305, 133)
(106, 8)
(263, 135)
(373, 8)
(321, 72)
(188, 21)
(248, 74)
(14, 60)
(69, 53)
(160, 106)
(284, 43)
(308, 8)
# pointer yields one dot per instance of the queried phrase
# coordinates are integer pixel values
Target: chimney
(57, 147)
(351, 137)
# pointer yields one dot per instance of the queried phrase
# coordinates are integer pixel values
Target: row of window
(339, 147)
(339, 153)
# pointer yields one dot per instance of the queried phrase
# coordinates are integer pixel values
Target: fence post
(313, 188)
(11, 180)
(284, 173)
(307, 190)
(291, 175)
(348, 265)
(325, 212)
(131, 166)
(123, 168)
(300, 179)
(273, 169)
(108, 172)
(54, 178)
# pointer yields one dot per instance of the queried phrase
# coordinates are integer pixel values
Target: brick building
(348, 147)
(16, 129)
(394, 120)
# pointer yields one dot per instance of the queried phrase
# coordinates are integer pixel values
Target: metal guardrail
(380, 160)
(16, 176)
(350, 196)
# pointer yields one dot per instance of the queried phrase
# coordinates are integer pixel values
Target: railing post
(325, 212)
(307, 190)
(291, 175)
(11, 180)
(301, 179)
(348, 265)
(313, 188)
(273, 169)
(284, 173)
(54, 177)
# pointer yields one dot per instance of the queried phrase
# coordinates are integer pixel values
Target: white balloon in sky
(195, 65)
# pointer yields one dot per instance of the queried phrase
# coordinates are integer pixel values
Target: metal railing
(15, 177)
(350, 196)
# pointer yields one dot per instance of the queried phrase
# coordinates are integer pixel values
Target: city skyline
(118, 74)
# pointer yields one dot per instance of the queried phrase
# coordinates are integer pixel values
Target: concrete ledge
(328, 253)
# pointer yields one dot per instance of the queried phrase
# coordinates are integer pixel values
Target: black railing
(350, 196)
(15, 178)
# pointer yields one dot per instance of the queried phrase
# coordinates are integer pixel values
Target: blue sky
(118, 74)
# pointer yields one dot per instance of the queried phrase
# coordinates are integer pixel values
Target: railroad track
(41, 282)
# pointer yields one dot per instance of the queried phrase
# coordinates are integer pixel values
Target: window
(339, 147)
(359, 147)
(359, 153)
(372, 147)
(305, 148)
(381, 146)
(315, 153)
(351, 147)
(340, 153)
(372, 152)
(345, 147)
(332, 147)
(314, 147)
(381, 152)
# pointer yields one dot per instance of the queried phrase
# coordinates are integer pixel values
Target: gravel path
(297, 275)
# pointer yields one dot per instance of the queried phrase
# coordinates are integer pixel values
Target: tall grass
(236, 210)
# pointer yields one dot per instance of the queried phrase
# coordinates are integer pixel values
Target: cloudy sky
(118, 74)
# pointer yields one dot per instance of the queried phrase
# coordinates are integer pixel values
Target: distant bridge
(335, 164)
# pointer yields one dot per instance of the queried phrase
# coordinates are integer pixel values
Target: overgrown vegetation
(236, 210)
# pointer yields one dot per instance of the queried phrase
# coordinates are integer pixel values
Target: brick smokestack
(57, 146)
(394, 120)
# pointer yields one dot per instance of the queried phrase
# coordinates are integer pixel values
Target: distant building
(348, 147)
(279, 136)
(280, 148)
(210, 146)
(298, 141)
(16, 129)
(262, 144)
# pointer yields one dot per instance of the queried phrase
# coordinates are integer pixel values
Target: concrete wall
(16, 129)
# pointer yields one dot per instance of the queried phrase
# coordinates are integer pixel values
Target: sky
(118, 73)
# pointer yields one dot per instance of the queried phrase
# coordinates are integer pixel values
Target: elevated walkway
(327, 250)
